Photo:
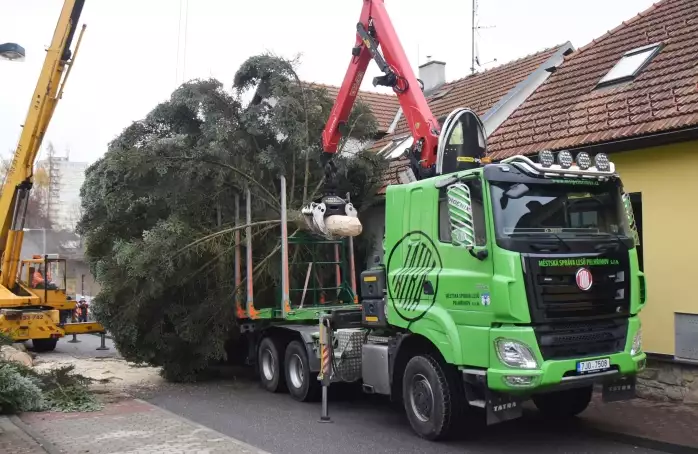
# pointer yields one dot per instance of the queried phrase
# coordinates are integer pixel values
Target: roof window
(396, 148)
(630, 65)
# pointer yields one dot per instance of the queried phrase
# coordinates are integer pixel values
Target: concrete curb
(242, 444)
(641, 442)
(46, 445)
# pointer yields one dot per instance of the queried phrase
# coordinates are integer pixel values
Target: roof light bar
(603, 168)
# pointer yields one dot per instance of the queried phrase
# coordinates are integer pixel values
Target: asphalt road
(238, 407)
(361, 424)
(86, 348)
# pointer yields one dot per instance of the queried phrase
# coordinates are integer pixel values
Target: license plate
(596, 365)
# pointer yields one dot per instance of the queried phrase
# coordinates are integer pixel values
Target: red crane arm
(376, 29)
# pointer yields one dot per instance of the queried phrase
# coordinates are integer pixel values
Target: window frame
(652, 51)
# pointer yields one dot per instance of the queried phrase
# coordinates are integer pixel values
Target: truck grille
(553, 294)
(577, 340)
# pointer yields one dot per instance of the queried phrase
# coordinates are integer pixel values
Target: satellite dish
(462, 142)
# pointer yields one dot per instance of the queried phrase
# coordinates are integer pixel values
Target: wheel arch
(303, 333)
(407, 346)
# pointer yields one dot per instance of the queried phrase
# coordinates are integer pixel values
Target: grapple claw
(316, 213)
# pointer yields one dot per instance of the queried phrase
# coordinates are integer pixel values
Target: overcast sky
(129, 59)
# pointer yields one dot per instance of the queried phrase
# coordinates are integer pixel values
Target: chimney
(433, 74)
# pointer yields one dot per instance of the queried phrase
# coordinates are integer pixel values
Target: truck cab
(523, 276)
(45, 277)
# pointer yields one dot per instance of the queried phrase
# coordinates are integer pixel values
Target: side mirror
(630, 215)
(460, 213)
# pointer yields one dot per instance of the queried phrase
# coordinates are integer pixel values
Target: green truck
(499, 283)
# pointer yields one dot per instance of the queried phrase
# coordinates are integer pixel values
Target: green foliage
(66, 391)
(5, 339)
(19, 390)
(159, 207)
(24, 389)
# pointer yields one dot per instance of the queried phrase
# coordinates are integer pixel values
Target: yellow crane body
(28, 310)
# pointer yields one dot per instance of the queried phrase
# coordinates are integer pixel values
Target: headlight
(637, 343)
(515, 354)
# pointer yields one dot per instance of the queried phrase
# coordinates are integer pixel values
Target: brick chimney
(433, 74)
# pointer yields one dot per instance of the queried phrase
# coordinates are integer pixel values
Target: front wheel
(564, 404)
(303, 384)
(430, 398)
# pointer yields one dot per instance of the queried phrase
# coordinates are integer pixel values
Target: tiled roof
(478, 92)
(384, 106)
(568, 110)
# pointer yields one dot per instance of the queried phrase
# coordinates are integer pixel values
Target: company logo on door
(584, 279)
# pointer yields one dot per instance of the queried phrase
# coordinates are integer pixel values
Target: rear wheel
(302, 384)
(564, 404)
(44, 345)
(430, 398)
(270, 365)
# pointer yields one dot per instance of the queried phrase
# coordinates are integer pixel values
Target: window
(630, 65)
(478, 215)
(562, 209)
(396, 147)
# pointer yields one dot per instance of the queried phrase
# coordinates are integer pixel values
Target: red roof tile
(568, 110)
(384, 106)
(479, 92)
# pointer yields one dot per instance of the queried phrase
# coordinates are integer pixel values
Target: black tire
(564, 404)
(302, 384)
(431, 398)
(270, 365)
(44, 345)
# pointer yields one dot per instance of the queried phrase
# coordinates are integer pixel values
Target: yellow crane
(33, 291)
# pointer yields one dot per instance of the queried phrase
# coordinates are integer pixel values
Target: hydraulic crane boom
(375, 29)
(19, 179)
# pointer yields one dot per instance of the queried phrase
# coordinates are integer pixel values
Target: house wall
(79, 279)
(665, 177)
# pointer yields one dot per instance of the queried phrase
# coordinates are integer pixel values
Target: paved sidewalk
(659, 422)
(130, 426)
(14, 440)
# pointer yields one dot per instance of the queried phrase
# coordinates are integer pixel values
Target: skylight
(630, 65)
(396, 147)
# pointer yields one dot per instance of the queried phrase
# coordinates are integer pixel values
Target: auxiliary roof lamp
(601, 162)
(546, 158)
(583, 160)
(564, 158)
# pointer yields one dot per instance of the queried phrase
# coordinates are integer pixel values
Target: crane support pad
(83, 328)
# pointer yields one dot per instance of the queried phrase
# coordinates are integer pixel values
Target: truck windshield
(565, 210)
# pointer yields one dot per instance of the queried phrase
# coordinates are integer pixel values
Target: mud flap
(502, 407)
(619, 389)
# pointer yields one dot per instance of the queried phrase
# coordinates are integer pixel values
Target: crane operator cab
(46, 278)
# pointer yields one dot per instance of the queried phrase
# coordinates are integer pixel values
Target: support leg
(325, 365)
(103, 342)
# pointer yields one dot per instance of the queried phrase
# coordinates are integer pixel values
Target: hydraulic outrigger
(28, 312)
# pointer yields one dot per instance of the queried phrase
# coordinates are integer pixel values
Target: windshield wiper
(544, 246)
(614, 236)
